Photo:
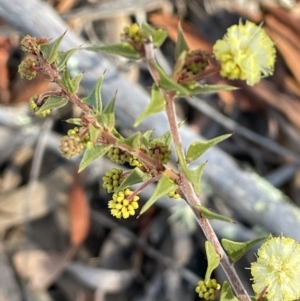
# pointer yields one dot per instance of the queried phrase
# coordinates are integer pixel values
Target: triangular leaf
(52, 102)
(134, 141)
(183, 164)
(181, 44)
(93, 133)
(158, 35)
(66, 81)
(167, 83)
(123, 49)
(145, 142)
(147, 29)
(76, 121)
(76, 82)
(165, 138)
(213, 260)
(197, 148)
(117, 134)
(135, 177)
(236, 250)
(179, 63)
(196, 175)
(63, 57)
(146, 137)
(157, 103)
(201, 89)
(108, 114)
(91, 153)
(227, 293)
(164, 186)
(147, 134)
(50, 50)
(71, 84)
(94, 100)
(206, 213)
(181, 123)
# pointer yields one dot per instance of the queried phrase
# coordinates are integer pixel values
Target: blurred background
(58, 239)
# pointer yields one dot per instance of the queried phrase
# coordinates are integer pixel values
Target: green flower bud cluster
(133, 34)
(27, 69)
(134, 162)
(121, 157)
(34, 108)
(121, 205)
(196, 61)
(72, 145)
(118, 156)
(31, 44)
(112, 179)
(160, 150)
(206, 290)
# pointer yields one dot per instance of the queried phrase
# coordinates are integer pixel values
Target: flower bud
(27, 69)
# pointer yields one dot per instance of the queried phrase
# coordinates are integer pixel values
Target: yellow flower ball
(245, 52)
(121, 206)
(278, 269)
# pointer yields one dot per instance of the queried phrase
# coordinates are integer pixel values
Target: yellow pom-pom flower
(121, 205)
(277, 269)
(245, 52)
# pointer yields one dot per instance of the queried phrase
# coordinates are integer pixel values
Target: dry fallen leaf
(79, 212)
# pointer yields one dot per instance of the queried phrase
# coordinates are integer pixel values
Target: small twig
(46, 68)
(187, 188)
(144, 185)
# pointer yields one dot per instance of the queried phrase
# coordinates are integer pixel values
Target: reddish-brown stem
(144, 185)
(142, 156)
(76, 101)
(46, 68)
(187, 188)
(193, 200)
(41, 99)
